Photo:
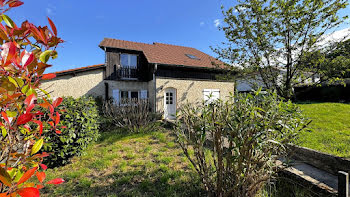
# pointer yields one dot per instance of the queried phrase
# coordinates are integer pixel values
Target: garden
(91, 147)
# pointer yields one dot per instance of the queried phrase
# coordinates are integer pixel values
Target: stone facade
(77, 85)
(189, 91)
(91, 83)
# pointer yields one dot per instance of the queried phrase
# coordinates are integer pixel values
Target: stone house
(167, 75)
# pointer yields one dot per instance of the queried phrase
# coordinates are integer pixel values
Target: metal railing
(128, 73)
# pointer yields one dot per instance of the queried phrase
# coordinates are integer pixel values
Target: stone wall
(329, 163)
(77, 85)
(131, 86)
(189, 91)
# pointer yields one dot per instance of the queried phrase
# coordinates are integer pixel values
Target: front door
(170, 104)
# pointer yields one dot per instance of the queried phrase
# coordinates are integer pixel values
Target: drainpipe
(104, 76)
(155, 88)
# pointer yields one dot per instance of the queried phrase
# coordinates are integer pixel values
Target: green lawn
(128, 165)
(136, 165)
(330, 128)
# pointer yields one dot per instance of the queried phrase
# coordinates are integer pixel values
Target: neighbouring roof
(81, 69)
(158, 53)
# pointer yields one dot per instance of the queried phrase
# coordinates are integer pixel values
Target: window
(134, 95)
(124, 96)
(169, 98)
(192, 56)
(128, 60)
(211, 95)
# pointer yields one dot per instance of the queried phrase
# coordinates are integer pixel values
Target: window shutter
(211, 95)
(143, 94)
(116, 96)
(215, 95)
(206, 94)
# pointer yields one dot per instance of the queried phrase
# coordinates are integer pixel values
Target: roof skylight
(192, 56)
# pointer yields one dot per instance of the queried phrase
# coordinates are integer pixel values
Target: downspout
(104, 76)
(155, 88)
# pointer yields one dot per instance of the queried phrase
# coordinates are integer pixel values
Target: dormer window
(128, 60)
(192, 56)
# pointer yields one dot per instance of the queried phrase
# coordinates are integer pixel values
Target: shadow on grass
(139, 183)
(119, 164)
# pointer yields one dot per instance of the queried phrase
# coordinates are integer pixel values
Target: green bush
(234, 144)
(81, 118)
(130, 115)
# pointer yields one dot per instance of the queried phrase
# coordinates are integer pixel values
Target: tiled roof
(93, 67)
(159, 53)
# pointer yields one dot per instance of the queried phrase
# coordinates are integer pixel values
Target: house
(168, 75)
(254, 81)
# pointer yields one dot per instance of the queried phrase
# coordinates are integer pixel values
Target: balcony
(127, 73)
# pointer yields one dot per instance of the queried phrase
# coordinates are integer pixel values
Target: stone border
(324, 161)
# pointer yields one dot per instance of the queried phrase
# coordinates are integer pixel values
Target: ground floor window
(211, 95)
(125, 96)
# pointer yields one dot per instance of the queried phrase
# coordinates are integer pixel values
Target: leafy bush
(234, 145)
(81, 118)
(133, 115)
(24, 54)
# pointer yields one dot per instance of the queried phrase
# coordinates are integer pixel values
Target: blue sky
(84, 23)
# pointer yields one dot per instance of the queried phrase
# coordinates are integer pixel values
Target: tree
(25, 51)
(332, 63)
(273, 35)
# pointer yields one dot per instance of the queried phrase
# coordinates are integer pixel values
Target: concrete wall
(189, 91)
(82, 84)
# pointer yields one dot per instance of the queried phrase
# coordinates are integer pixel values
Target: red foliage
(24, 53)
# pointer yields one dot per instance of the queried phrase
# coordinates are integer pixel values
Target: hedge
(324, 93)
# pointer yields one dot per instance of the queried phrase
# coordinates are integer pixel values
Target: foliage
(330, 128)
(271, 37)
(81, 120)
(143, 164)
(25, 52)
(331, 63)
(131, 114)
(236, 143)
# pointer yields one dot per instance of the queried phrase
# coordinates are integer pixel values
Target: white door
(170, 104)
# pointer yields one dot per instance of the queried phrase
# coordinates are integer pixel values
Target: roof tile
(159, 53)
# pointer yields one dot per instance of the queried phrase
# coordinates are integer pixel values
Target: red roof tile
(81, 69)
(159, 53)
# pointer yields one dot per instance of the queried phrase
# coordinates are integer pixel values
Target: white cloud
(239, 9)
(202, 23)
(49, 11)
(217, 22)
(336, 36)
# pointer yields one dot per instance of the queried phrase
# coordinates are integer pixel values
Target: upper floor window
(128, 60)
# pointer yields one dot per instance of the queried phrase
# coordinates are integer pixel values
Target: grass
(329, 129)
(128, 165)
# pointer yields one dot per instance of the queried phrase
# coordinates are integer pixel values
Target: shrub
(81, 118)
(133, 115)
(234, 145)
(24, 54)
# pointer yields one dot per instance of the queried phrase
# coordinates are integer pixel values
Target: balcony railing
(127, 73)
